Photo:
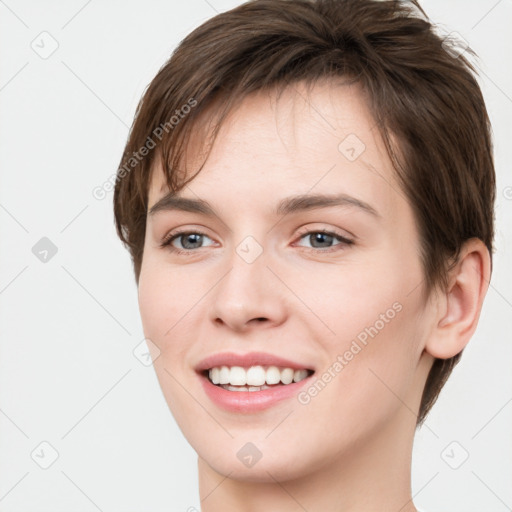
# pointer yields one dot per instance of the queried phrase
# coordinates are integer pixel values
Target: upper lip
(247, 360)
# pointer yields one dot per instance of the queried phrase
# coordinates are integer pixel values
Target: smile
(249, 383)
(255, 378)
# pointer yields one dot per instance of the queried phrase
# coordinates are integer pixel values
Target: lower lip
(250, 401)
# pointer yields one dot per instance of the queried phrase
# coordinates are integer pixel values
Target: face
(260, 289)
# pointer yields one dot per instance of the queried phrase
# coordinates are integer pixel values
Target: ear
(459, 307)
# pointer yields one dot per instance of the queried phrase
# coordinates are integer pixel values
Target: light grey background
(69, 326)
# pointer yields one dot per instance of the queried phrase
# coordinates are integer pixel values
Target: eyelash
(170, 237)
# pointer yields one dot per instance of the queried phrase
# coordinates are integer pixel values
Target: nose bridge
(246, 292)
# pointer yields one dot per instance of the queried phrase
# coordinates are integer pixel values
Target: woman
(307, 195)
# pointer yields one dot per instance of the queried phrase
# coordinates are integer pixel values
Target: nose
(249, 295)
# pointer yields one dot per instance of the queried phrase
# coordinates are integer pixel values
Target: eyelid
(330, 230)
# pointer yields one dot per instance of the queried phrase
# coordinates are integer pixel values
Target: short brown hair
(420, 89)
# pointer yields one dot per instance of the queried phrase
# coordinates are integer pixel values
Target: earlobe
(459, 307)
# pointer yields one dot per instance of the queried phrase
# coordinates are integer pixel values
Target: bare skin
(347, 447)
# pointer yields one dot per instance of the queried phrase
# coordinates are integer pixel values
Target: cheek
(373, 312)
(163, 296)
(362, 296)
(169, 301)
(364, 383)
(163, 304)
(153, 304)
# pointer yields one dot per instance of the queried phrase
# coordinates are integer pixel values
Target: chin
(259, 461)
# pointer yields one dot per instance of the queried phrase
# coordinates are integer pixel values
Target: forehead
(322, 138)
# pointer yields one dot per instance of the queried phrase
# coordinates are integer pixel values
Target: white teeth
(255, 378)
(287, 376)
(244, 388)
(224, 375)
(273, 375)
(238, 376)
(215, 375)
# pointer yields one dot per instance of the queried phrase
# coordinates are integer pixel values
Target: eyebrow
(286, 206)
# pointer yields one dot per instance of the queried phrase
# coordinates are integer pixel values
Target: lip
(249, 401)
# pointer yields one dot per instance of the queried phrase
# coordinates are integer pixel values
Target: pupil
(191, 236)
(318, 236)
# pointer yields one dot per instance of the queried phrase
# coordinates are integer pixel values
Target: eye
(323, 239)
(189, 240)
